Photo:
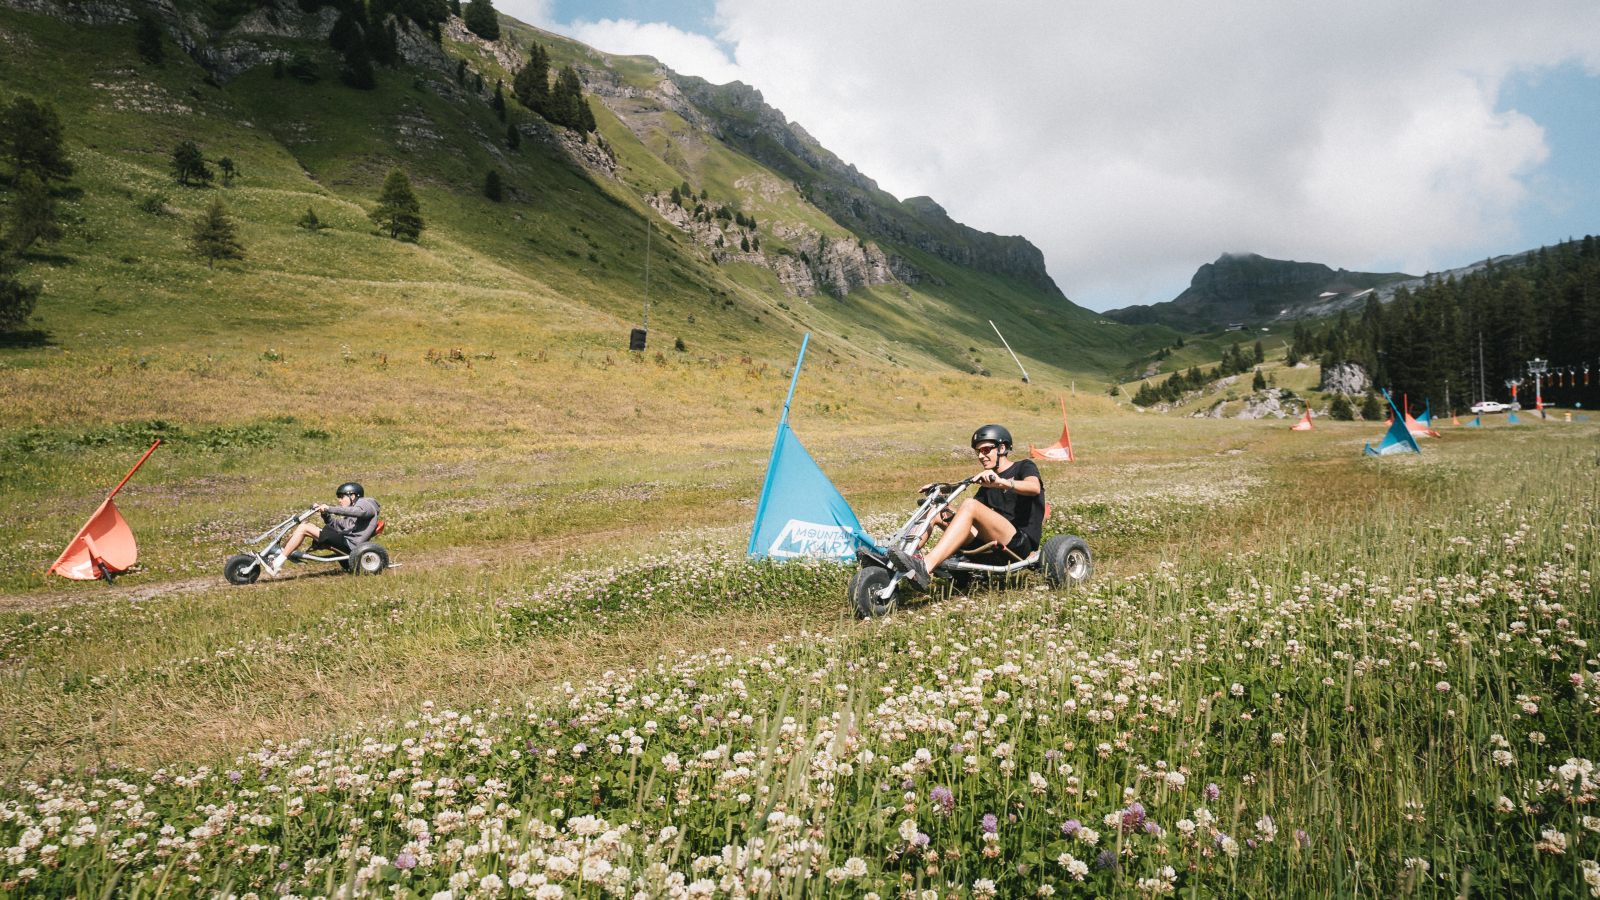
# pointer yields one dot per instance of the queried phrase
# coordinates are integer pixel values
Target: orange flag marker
(104, 547)
(1305, 421)
(1061, 450)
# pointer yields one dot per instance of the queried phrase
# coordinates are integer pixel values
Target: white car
(1489, 406)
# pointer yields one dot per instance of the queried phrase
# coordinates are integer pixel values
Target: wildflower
(1418, 863)
(1089, 836)
(1213, 792)
(1070, 827)
(1505, 805)
(983, 887)
(459, 881)
(1133, 818)
(1046, 890)
(491, 884)
(1227, 844)
(405, 860)
(944, 802)
(1442, 687)
(1106, 860)
(444, 895)
(1175, 780)
(1502, 757)
(549, 892)
(1267, 829)
(1301, 838)
(1077, 868)
(855, 867)
(1551, 841)
(908, 829)
(991, 825)
(1278, 740)
(1591, 877)
(1237, 690)
(1591, 823)
(1535, 737)
(1185, 827)
(1037, 783)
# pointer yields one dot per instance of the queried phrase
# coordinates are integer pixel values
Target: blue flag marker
(1476, 423)
(1513, 420)
(1399, 439)
(801, 513)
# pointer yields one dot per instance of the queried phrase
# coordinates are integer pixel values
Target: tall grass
(1396, 702)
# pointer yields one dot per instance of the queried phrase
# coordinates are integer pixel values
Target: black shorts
(1021, 545)
(332, 537)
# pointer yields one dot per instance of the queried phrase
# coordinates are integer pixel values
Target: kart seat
(381, 523)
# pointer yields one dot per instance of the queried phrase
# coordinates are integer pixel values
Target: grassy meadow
(1298, 672)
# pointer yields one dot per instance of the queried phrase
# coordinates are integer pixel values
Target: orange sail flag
(104, 547)
(1454, 420)
(1305, 422)
(1061, 450)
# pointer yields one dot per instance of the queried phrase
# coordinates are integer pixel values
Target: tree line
(1426, 342)
(1235, 361)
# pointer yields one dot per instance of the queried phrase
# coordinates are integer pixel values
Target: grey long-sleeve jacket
(357, 521)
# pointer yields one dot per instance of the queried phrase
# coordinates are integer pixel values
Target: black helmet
(994, 434)
(350, 487)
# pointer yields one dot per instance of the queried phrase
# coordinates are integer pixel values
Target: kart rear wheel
(864, 588)
(368, 559)
(1067, 561)
(241, 569)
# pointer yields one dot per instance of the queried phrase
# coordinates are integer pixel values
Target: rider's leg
(973, 520)
(306, 530)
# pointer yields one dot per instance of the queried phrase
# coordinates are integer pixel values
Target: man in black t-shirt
(1008, 510)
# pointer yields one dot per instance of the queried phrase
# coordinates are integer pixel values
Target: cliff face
(737, 114)
(1252, 289)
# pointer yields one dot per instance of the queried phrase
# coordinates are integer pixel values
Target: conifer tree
(1261, 354)
(214, 236)
(1370, 409)
(744, 244)
(492, 187)
(1341, 410)
(482, 20)
(498, 103)
(531, 87)
(398, 211)
(455, 8)
(1258, 383)
(188, 165)
(383, 45)
(677, 197)
(357, 71)
(17, 297)
(309, 221)
(32, 140)
(147, 40)
(513, 137)
(33, 216)
(228, 169)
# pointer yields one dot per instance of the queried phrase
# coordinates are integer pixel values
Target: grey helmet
(993, 433)
(352, 488)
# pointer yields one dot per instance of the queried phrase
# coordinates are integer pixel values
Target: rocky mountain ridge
(1247, 288)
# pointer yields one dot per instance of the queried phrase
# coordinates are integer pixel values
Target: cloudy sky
(1133, 141)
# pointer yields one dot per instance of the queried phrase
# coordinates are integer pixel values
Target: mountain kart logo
(818, 541)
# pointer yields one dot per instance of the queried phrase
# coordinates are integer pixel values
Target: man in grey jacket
(347, 526)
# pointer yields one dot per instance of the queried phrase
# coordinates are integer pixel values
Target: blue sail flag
(801, 513)
(1399, 439)
(1476, 423)
(1427, 415)
(1513, 420)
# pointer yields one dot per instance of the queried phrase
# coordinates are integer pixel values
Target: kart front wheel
(864, 589)
(1067, 561)
(241, 569)
(368, 559)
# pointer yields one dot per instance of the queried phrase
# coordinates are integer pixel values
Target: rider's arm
(1024, 487)
(360, 510)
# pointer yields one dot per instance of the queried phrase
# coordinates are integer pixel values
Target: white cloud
(1133, 141)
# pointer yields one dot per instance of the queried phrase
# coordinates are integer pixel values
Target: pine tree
(677, 198)
(1341, 409)
(1261, 354)
(213, 235)
(277, 69)
(455, 8)
(309, 221)
(33, 216)
(188, 165)
(228, 169)
(383, 45)
(32, 140)
(1370, 409)
(498, 104)
(346, 31)
(147, 40)
(461, 72)
(357, 71)
(481, 19)
(744, 244)
(513, 137)
(398, 211)
(17, 298)
(492, 188)
(531, 87)
(1258, 383)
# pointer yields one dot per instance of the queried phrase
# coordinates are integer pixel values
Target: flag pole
(135, 468)
(1010, 351)
(777, 439)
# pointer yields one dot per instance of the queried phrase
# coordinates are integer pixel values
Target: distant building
(1237, 326)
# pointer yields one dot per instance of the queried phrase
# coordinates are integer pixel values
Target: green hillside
(560, 262)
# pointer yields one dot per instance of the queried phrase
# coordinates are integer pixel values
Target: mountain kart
(1064, 558)
(367, 558)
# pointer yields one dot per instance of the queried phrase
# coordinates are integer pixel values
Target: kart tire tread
(863, 585)
(241, 569)
(1067, 561)
(368, 559)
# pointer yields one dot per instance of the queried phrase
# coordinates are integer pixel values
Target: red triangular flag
(104, 547)
(1061, 450)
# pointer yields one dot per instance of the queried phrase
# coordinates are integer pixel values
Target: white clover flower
(1089, 836)
(549, 892)
(459, 881)
(1535, 737)
(983, 887)
(1230, 846)
(908, 829)
(1442, 687)
(1185, 827)
(1504, 805)
(491, 884)
(1591, 823)
(1417, 863)
(855, 867)
(1278, 740)
(1502, 758)
(1237, 690)
(1175, 780)
(444, 895)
